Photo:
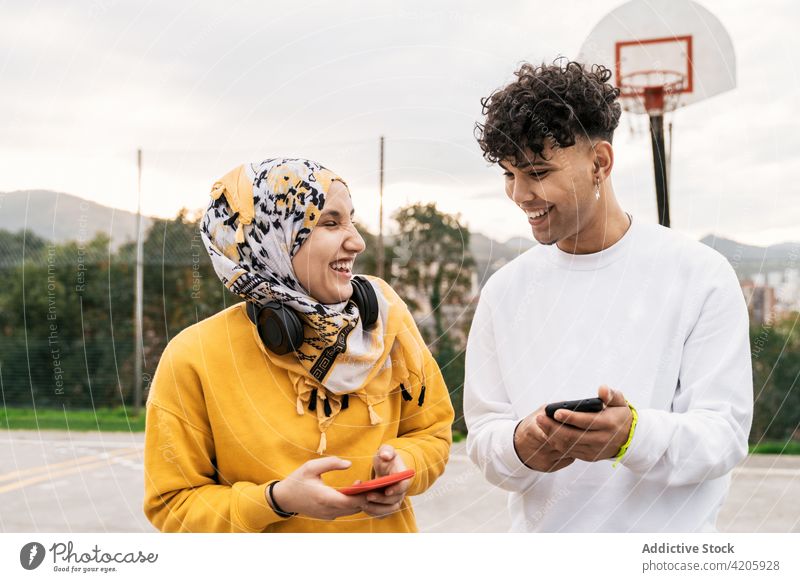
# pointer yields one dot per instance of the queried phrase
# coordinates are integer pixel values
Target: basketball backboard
(674, 44)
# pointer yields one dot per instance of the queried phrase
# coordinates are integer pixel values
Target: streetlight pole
(138, 299)
(380, 257)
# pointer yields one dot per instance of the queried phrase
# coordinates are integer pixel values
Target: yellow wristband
(624, 448)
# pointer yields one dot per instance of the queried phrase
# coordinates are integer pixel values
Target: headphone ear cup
(366, 300)
(294, 329)
(279, 328)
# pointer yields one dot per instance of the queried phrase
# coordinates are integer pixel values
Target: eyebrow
(537, 163)
(336, 213)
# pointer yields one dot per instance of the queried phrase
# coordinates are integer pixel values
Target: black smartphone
(585, 405)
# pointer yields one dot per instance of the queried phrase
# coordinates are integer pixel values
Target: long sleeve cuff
(426, 471)
(410, 462)
(253, 510)
(506, 453)
(651, 438)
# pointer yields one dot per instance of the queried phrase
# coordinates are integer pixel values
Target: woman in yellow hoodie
(316, 381)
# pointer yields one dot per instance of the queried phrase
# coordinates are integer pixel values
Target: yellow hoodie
(222, 424)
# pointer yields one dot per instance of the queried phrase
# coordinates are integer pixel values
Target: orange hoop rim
(649, 96)
(631, 89)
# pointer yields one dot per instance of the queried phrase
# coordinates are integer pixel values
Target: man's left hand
(590, 436)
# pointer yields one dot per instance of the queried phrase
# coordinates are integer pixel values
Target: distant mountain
(60, 217)
(490, 255)
(739, 251)
(748, 260)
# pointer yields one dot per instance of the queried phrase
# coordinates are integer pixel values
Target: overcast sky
(203, 87)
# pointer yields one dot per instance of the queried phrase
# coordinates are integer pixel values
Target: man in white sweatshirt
(652, 322)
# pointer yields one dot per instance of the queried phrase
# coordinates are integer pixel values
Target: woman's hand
(382, 503)
(304, 492)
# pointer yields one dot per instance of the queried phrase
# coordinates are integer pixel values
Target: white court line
(743, 471)
(97, 443)
(457, 457)
(767, 472)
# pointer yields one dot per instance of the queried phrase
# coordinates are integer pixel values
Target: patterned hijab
(259, 216)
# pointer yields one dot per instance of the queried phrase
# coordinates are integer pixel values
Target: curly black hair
(549, 101)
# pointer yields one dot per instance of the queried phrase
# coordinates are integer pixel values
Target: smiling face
(556, 191)
(323, 264)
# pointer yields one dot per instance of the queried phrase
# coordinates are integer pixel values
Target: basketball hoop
(654, 92)
(664, 54)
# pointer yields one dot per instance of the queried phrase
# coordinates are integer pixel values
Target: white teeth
(538, 213)
(342, 265)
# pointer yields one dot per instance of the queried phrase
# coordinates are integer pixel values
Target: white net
(655, 91)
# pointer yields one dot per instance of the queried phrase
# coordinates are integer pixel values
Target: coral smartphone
(584, 405)
(379, 483)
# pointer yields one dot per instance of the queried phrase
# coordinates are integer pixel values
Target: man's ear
(603, 159)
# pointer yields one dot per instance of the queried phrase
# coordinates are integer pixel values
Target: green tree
(66, 311)
(180, 285)
(432, 267)
(776, 380)
(57, 338)
(16, 245)
(367, 261)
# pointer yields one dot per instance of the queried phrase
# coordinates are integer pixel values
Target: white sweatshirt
(658, 316)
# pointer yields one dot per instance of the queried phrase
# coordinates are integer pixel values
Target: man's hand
(382, 503)
(304, 492)
(590, 436)
(530, 442)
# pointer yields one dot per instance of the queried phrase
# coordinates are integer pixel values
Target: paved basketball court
(88, 482)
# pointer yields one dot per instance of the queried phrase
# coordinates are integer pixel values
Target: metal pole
(660, 167)
(380, 258)
(669, 152)
(138, 298)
